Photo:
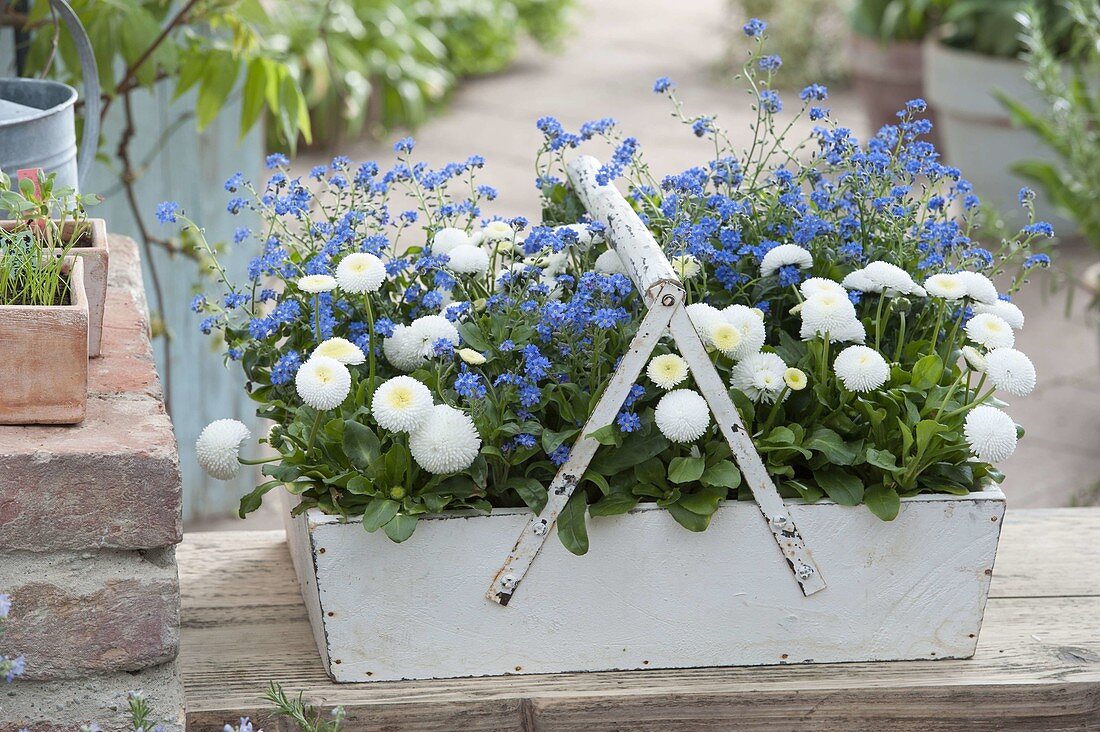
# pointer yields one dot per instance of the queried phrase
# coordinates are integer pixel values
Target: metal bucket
(37, 128)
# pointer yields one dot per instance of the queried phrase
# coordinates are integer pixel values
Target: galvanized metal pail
(37, 128)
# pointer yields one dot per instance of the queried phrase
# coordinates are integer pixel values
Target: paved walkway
(608, 68)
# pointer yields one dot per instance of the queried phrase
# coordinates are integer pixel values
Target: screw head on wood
(540, 528)
(779, 522)
(805, 571)
(668, 301)
(508, 583)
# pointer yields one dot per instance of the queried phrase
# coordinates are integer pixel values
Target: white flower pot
(649, 594)
(977, 132)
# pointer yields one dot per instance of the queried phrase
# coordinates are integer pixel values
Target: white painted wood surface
(648, 594)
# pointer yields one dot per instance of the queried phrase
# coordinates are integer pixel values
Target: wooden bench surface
(1037, 665)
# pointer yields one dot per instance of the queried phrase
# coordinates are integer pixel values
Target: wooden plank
(1037, 665)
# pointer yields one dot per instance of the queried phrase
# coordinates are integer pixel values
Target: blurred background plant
(808, 35)
(995, 27)
(896, 20)
(373, 65)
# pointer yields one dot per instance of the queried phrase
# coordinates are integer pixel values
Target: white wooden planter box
(649, 594)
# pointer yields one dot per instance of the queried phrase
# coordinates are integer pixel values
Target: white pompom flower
(990, 433)
(401, 404)
(323, 383)
(946, 286)
(468, 259)
(360, 273)
(342, 350)
(785, 255)
(861, 368)
(472, 357)
(818, 285)
(704, 317)
(609, 263)
(446, 442)
(428, 330)
(686, 266)
(750, 322)
(1006, 311)
(990, 331)
(858, 280)
(219, 446)
(1010, 370)
(979, 288)
(891, 280)
(498, 230)
(402, 349)
(830, 313)
(795, 379)
(682, 415)
(760, 377)
(317, 283)
(447, 239)
(974, 358)
(667, 370)
(727, 338)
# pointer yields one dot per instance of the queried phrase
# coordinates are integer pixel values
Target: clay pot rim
(94, 238)
(78, 298)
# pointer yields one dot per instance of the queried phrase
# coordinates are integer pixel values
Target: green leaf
(809, 493)
(636, 449)
(532, 491)
(651, 472)
(840, 485)
(613, 504)
(609, 434)
(722, 475)
(926, 430)
(704, 502)
(379, 512)
(400, 527)
(927, 372)
(219, 77)
(881, 459)
(553, 440)
(473, 337)
(599, 480)
(359, 486)
(360, 444)
(831, 445)
(686, 469)
(253, 93)
(251, 501)
(883, 502)
(572, 531)
(689, 519)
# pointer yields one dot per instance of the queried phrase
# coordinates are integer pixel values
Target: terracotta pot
(92, 248)
(887, 76)
(44, 350)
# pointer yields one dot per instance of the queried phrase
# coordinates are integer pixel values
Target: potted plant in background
(968, 66)
(1067, 122)
(887, 54)
(43, 305)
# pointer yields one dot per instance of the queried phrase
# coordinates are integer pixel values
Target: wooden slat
(1037, 666)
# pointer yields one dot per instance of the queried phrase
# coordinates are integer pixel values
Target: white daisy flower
(750, 321)
(402, 349)
(783, 256)
(342, 350)
(832, 313)
(427, 330)
(686, 266)
(861, 368)
(979, 287)
(682, 415)
(468, 259)
(446, 442)
(609, 263)
(314, 284)
(323, 383)
(891, 279)
(447, 239)
(1010, 370)
(704, 317)
(818, 285)
(991, 433)
(974, 358)
(795, 379)
(946, 286)
(1006, 311)
(727, 338)
(498, 230)
(991, 331)
(360, 273)
(858, 280)
(218, 447)
(760, 376)
(401, 404)
(667, 370)
(471, 356)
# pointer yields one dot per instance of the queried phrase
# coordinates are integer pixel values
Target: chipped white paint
(652, 274)
(648, 594)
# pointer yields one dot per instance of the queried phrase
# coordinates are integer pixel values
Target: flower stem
(317, 317)
(313, 432)
(370, 350)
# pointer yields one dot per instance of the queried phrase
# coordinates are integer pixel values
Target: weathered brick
(74, 615)
(112, 481)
